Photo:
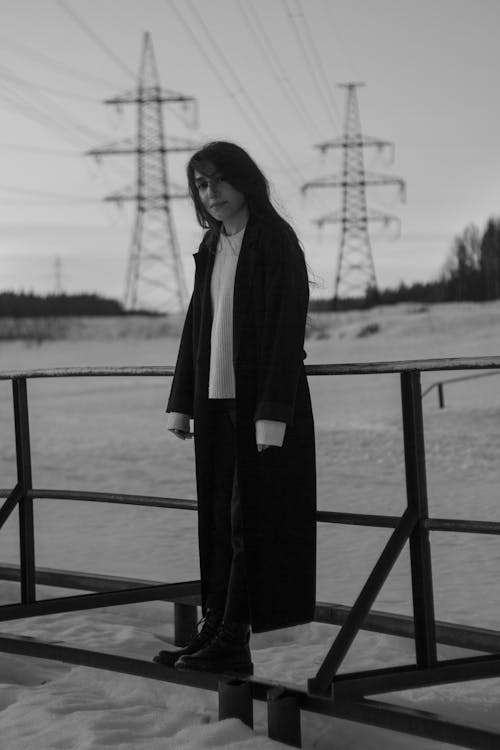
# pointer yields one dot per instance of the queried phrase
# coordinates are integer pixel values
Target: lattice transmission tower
(155, 275)
(355, 272)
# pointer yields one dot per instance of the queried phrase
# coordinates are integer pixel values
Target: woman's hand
(268, 433)
(180, 425)
(181, 434)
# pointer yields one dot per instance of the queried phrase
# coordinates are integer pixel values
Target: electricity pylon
(355, 272)
(155, 275)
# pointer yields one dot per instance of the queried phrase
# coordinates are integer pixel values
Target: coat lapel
(204, 260)
(243, 280)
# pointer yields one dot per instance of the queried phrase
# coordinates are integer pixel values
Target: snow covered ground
(109, 435)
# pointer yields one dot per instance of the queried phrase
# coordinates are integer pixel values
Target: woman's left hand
(262, 447)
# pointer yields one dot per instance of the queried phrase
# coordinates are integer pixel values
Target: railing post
(23, 456)
(283, 717)
(416, 491)
(235, 701)
(441, 395)
(185, 620)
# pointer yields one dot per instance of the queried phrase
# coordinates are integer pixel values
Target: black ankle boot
(229, 651)
(209, 626)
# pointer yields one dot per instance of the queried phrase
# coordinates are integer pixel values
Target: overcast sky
(432, 75)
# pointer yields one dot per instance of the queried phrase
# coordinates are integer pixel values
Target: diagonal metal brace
(335, 656)
(10, 504)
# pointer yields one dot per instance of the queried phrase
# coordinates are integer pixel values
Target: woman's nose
(212, 190)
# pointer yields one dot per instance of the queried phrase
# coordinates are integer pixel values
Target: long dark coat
(278, 485)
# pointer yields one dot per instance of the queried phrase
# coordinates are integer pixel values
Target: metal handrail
(439, 384)
(340, 368)
(414, 526)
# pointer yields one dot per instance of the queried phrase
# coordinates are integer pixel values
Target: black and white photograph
(249, 374)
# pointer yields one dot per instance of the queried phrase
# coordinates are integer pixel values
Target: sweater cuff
(177, 421)
(269, 432)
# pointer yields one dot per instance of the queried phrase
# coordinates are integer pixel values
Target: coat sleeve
(281, 358)
(182, 390)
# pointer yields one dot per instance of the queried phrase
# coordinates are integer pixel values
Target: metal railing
(440, 384)
(343, 695)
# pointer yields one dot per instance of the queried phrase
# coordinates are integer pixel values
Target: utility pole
(355, 272)
(155, 274)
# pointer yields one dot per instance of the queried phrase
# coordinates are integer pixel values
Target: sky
(264, 74)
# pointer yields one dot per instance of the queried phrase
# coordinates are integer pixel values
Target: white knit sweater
(221, 378)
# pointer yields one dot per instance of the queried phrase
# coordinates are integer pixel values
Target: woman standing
(240, 376)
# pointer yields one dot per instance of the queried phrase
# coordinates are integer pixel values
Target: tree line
(28, 304)
(471, 273)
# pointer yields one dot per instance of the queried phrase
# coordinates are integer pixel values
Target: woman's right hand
(182, 434)
(179, 424)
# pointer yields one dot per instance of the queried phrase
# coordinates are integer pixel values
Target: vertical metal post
(235, 701)
(441, 395)
(416, 491)
(185, 619)
(23, 456)
(283, 717)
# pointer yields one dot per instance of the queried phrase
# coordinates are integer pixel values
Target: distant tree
(471, 272)
(462, 270)
(28, 304)
(490, 259)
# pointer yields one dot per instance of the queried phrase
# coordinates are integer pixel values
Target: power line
(232, 94)
(67, 70)
(40, 117)
(57, 92)
(62, 117)
(20, 103)
(319, 62)
(309, 65)
(48, 121)
(39, 150)
(96, 39)
(284, 158)
(333, 29)
(45, 193)
(286, 87)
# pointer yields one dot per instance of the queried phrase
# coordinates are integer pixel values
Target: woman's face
(221, 200)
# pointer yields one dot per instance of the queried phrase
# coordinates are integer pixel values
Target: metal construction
(155, 275)
(355, 272)
(352, 695)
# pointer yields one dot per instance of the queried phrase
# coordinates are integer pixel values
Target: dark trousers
(227, 590)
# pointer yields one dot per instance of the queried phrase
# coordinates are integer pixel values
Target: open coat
(278, 485)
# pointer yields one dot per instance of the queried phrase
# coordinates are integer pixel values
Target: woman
(240, 376)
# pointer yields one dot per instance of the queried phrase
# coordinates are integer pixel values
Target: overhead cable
(314, 50)
(310, 67)
(6, 73)
(40, 117)
(39, 150)
(286, 87)
(63, 68)
(277, 150)
(96, 39)
(46, 193)
(55, 109)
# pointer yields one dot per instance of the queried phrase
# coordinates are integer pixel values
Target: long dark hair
(240, 170)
